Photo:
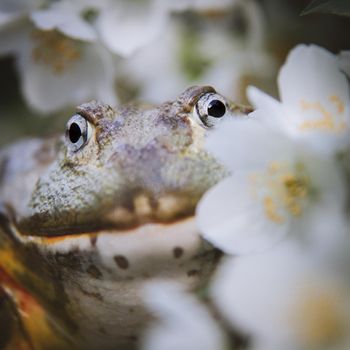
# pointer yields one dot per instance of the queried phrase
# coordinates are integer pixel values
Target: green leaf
(337, 7)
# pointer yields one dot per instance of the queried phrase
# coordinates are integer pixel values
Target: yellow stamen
(271, 210)
(54, 50)
(338, 102)
(328, 121)
(286, 190)
(318, 319)
(274, 167)
(295, 186)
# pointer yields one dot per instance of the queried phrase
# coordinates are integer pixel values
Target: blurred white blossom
(124, 40)
(55, 70)
(286, 298)
(126, 26)
(183, 322)
(67, 17)
(200, 5)
(200, 51)
(315, 105)
(123, 26)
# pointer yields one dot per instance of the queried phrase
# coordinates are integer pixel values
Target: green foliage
(192, 62)
(337, 7)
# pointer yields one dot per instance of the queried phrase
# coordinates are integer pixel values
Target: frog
(90, 216)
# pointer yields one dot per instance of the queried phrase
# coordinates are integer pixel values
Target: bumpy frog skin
(89, 217)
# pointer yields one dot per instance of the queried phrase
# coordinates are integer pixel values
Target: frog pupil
(74, 133)
(216, 109)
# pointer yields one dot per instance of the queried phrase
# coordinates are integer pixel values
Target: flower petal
(249, 144)
(324, 223)
(250, 291)
(82, 80)
(66, 18)
(199, 5)
(232, 219)
(184, 323)
(127, 26)
(317, 93)
(271, 111)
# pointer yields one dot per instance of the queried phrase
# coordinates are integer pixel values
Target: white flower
(286, 299)
(281, 184)
(56, 71)
(156, 85)
(214, 55)
(314, 99)
(250, 11)
(63, 15)
(122, 26)
(278, 187)
(183, 322)
(126, 26)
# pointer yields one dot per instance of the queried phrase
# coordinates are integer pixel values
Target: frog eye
(210, 108)
(78, 132)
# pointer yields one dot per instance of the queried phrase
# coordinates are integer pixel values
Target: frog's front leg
(24, 323)
(12, 335)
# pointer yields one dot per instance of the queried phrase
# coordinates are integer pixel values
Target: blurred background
(55, 55)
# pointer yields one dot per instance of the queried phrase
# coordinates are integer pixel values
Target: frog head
(108, 206)
(122, 168)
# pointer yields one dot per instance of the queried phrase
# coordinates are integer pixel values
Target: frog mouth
(168, 209)
(107, 240)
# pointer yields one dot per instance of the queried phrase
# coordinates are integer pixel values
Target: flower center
(318, 318)
(283, 191)
(54, 50)
(331, 121)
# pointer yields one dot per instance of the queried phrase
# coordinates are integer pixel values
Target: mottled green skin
(132, 191)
